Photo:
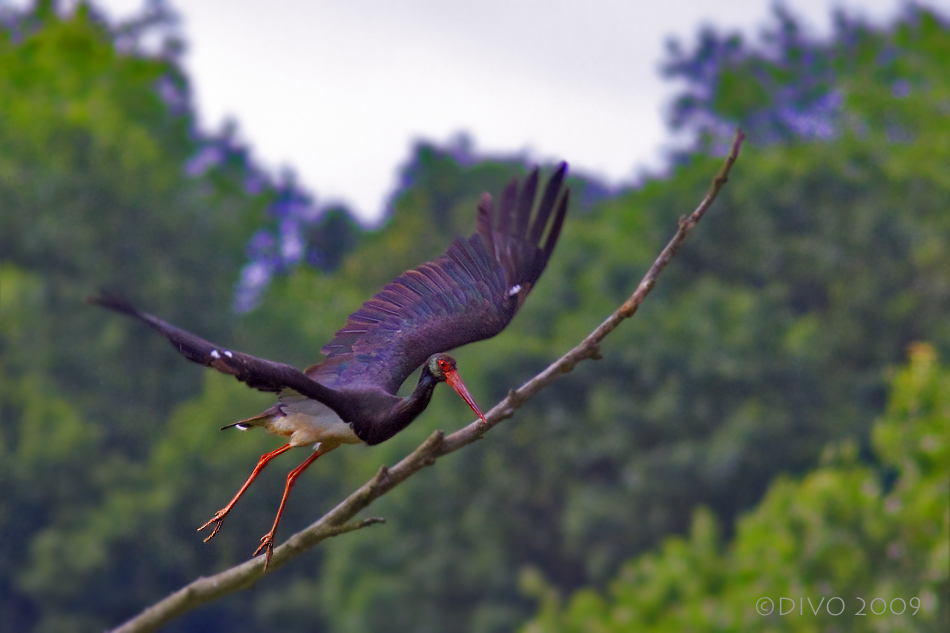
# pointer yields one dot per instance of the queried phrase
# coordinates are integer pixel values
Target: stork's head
(442, 367)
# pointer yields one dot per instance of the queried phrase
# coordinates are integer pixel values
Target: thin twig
(336, 521)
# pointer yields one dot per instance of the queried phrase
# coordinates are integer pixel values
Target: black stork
(468, 294)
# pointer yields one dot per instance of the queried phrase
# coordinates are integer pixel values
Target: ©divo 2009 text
(836, 606)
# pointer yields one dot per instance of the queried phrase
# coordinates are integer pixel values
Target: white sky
(338, 91)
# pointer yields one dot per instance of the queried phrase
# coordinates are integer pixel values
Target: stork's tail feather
(261, 419)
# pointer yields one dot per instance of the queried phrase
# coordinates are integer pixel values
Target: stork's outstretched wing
(258, 373)
(468, 294)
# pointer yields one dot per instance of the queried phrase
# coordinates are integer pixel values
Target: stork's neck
(415, 403)
(390, 420)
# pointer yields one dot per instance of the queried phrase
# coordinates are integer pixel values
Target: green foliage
(767, 339)
(334, 236)
(93, 192)
(846, 529)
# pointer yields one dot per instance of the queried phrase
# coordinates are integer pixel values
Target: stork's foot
(267, 547)
(218, 520)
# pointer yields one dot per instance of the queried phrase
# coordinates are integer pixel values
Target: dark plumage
(468, 294)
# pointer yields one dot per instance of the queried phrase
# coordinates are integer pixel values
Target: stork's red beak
(454, 381)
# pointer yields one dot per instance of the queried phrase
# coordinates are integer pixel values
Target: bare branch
(336, 521)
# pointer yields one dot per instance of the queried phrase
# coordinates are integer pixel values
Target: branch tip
(434, 442)
(349, 527)
(381, 478)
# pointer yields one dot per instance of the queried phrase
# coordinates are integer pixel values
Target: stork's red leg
(267, 541)
(219, 516)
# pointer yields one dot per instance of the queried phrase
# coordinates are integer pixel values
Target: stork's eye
(444, 365)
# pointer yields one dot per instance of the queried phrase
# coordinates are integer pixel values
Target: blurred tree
(789, 87)
(332, 238)
(104, 180)
(93, 193)
(846, 529)
(767, 339)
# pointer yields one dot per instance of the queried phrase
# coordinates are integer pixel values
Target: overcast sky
(338, 91)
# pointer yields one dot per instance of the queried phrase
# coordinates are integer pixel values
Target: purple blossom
(900, 88)
(794, 89)
(255, 183)
(817, 120)
(461, 148)
(291, 242)
(175, 97)
(207, 157)
(255, 277)
(261, 244)
(797, 77)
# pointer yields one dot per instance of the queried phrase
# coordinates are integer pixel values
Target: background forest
(774, 422)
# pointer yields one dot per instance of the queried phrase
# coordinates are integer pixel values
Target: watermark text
(835, 606)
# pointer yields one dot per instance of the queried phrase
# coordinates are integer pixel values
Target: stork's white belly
(307, 421)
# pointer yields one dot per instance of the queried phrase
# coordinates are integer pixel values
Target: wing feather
(547, 204)
(525, 204)
(470, 293)
(555, 231)
(258, 373)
